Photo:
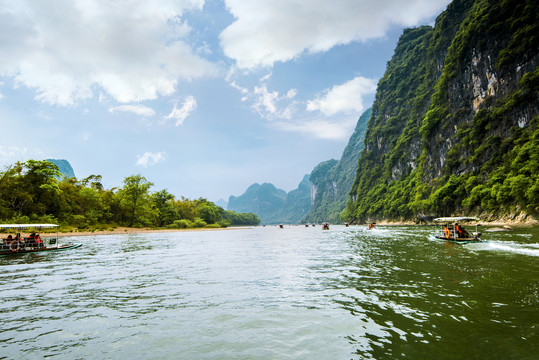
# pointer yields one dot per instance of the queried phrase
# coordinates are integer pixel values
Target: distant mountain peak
(274, 205)
(64, 166)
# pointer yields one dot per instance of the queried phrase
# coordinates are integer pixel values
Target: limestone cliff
(331, 180)
(454, 127)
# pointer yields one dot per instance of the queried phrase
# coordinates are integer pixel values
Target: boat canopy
(28, 226)
(456, 219)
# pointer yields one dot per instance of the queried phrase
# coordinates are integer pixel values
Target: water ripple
(267, 293)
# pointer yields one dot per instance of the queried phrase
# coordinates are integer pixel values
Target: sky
(201, 97)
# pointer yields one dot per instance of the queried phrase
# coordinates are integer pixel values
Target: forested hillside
(331, 180)
(274, 205)
(454, 127)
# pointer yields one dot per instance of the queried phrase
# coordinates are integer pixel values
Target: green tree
(166, 213)
(186, 208)
(34, 188)
(209, 212)
(134, 196)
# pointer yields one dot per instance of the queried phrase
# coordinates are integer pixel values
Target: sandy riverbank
(128, 230)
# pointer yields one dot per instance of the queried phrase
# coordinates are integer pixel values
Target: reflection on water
(267, 293)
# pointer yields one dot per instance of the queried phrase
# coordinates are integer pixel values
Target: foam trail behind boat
(523, 249)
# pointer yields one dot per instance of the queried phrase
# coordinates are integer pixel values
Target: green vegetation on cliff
(454, 128)
(331, 180)
(32, 192)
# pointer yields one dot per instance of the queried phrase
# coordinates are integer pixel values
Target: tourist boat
(33, 242)
(452, 231)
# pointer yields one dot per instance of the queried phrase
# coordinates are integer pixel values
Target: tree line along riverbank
(36, 192)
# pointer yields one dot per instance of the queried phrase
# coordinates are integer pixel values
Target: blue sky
(203, 98)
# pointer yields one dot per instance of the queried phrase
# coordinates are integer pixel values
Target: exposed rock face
(454, 123)
(322, 183)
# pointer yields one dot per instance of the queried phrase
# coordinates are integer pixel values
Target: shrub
(199, 223)
(180, 224)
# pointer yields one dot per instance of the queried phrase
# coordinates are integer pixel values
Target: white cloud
(265, 77)
(149, 158)
(11, 153)
(132, 50)
(346, 97)
(244, 91)
(319, 128)
(180, 114)
(267, 31)
(291, 93)
(140, 110)
(266, 100)
(337, 109)
(270, 105)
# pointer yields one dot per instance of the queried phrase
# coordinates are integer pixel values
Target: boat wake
(523, 249)
(507, 246)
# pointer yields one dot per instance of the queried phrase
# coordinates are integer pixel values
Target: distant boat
(452, 231)
(325, 226)
(281, 226)
(33, 243)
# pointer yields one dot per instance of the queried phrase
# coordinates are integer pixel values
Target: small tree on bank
(134, 196)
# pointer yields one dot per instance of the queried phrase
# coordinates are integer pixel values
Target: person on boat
(31, 240)
(39, 242)
(14, 242)
(458, 230)
(447, 232)
(7, 241)
(371, 226)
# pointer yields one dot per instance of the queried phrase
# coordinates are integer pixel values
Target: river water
(270, 293)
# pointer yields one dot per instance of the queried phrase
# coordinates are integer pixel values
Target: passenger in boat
(371, 226)
(447, 232)
(7, 241)
(458, 230)
(32, 240)
(39, 242)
